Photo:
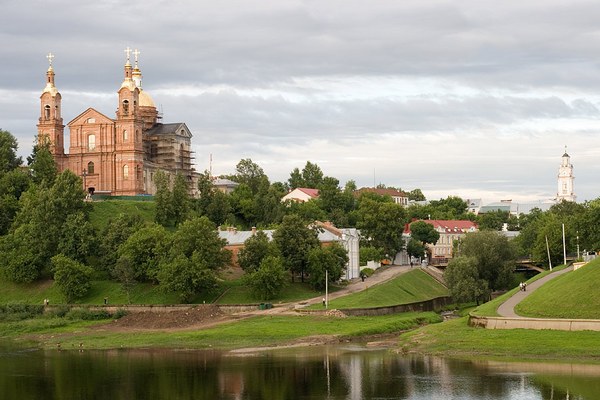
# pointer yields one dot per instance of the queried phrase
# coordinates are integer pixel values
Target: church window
(125, 106)
(138, 173)
(90, 168)
(125, 171)
(125, 135)
(91, 142)
(137, 135)
(46, 111)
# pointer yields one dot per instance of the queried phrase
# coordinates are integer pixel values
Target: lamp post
(84, 180)
(578, 245)
(326, 289)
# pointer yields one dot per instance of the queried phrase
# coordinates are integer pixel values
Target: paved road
(507, 309)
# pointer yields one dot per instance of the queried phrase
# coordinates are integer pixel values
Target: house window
(125, 171)
(90, 169)
(125, 135)
(91, 142)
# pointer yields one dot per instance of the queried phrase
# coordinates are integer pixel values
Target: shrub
(86, 314)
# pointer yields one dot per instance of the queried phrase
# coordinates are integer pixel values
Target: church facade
(117, 156)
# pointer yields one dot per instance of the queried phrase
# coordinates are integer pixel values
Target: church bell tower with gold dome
(117, 156)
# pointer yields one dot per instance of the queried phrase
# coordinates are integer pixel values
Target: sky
(469, 98)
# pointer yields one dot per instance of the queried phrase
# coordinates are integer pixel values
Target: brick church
(117, 156)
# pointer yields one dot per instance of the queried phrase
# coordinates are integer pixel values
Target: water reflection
(351, 373)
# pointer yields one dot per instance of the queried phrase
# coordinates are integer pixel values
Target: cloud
(446, 96)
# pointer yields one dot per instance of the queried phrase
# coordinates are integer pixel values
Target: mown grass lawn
(572, 295)
(409, 287)
(255, 331)
(455, 338)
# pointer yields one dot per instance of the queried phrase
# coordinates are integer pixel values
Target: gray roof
(169, 129)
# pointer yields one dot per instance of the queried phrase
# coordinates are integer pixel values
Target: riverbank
(457, 339)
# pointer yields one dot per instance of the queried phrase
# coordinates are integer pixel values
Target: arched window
(91, 142)
(90, 168)
(46, 111)
(125, 135)
(125, 171)
(137, 135)
(125, 106)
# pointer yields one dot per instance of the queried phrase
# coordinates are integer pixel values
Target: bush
(72, 278)
(121, 312)
(17, 312)
(86, 314)
(367, 272)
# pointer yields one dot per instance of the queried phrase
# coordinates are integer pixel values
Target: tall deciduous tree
(142, 252)
(180, 199)
(256, 248)
(8, 152)
(114, 234)
(72, 278)
(162, 199)
(294, 241)
(42, 165)
(268, 279)
(494, 255)
(78, 239)
(195, 255)
(381, 224)
(424, 232)
(464, 281)
(327, 262)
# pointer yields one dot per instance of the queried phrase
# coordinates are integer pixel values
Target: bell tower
(50, 125)
(129, 148)
(565, 179)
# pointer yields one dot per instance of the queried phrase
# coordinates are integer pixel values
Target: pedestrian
(323, 301)
(524, 286)
(521, 286)
(105, 300)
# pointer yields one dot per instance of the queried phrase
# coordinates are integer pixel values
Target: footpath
(509, 319)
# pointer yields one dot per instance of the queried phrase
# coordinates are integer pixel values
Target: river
(331, 372)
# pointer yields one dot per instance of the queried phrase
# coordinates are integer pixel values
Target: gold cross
(50, 57)
(136, 53)
(128, 52)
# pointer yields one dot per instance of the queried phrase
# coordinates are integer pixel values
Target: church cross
(136, 53)
(128, 52)
(50, 57)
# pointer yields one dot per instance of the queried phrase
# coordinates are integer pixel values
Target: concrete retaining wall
(535, 323)
(427, 305)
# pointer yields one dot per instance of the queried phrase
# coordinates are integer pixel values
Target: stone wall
(428, 305)
(535, 323)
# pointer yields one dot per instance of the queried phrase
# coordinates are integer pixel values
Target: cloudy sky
(470, 98)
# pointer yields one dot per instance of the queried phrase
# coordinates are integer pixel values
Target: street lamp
(84, 179)
(578, 245)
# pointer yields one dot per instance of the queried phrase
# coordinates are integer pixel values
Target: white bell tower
(565, 180)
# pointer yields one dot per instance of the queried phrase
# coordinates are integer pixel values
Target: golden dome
(145, 99)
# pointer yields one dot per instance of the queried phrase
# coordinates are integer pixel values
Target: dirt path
(507, 309)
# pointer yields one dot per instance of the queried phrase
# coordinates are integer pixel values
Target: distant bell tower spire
(566, 179)
(50, 125)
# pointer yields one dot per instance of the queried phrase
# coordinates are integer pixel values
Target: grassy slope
(255, 331)
(102, 211)
(410, 287)
(456, 338)
(490, 308)
(573, 295)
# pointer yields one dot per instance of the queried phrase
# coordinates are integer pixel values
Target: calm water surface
(335, 372)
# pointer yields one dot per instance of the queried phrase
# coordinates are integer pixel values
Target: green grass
(255, 331)
(103, 211)
(410, 287)
(490, 308)
(456, 339)
(572, 295)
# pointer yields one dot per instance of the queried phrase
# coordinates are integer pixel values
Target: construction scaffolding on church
(117, 156)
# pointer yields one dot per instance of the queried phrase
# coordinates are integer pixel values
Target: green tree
(22, 262)
(8, 152)
(332, 259)
(268, 279)
(162, 199)
(464, 282)
(78, 238)
(370, 253)
(312, 175)
(415, 248)
(493, 220)
(115, 233)
(12, 185)
(416, 195)
(294, 241)
(250, 174)
(256, 248)
(71, 277)
(125, 273)
(180, 199)
(142, 252)
(494, 255)
(424, 232)
(42, 165)
(195, 255)
(381, 224)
